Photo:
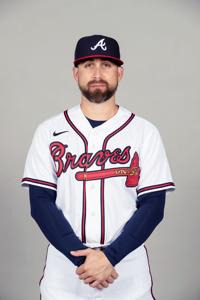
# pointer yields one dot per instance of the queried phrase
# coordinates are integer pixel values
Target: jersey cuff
(26, 181)
(168, 186)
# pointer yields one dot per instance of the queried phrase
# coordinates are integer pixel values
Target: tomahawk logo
(101, 44)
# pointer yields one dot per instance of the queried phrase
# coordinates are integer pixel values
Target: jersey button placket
(92, 141)
(93, 194)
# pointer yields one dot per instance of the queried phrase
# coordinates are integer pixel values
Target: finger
(89, 280)
(80, 270)
(105, 284)
(84, 252)
(114, 274)
(94, 284)
(99, 286)
(84, 276)
(110, 279)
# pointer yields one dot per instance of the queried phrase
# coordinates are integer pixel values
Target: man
(97, 176)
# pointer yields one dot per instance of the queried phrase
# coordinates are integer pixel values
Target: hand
(97, 271)
(106, 283)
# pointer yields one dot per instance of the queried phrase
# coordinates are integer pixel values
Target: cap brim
(117, 61)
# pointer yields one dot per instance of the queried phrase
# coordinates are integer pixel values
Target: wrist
(109, 256)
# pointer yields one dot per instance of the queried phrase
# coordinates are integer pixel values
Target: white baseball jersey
(98, 174)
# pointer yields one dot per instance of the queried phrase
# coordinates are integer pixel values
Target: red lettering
(70, 161)
(64, 160)
(83, 160)
(57, 152)
(125, 156)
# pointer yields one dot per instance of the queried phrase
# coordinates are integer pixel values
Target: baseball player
(97, 177)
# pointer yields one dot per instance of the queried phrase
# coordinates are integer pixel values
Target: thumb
(84, 252)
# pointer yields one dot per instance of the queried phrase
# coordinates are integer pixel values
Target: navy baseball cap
(97, 46)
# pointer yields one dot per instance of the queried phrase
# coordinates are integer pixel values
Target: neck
(100, 111)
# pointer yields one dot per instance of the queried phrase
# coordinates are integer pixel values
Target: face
(97, 79)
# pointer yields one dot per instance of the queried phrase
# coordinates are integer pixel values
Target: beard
(97, 95)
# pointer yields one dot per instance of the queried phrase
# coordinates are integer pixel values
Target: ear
(120, 73)
(75, 73)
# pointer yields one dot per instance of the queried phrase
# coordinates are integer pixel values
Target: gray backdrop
(160, 44)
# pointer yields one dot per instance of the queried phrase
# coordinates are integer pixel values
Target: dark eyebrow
(87, 60)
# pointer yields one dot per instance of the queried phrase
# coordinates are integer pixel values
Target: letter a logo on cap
(101, 44)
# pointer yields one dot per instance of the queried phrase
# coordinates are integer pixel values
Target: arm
(53, 224)
(149, 213)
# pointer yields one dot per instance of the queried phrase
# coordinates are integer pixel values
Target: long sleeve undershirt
(60, 234)
(149, 213)
(53, 223)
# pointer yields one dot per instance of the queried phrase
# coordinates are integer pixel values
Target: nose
(97, 72)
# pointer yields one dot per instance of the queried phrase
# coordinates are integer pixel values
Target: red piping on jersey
(157, 186)
(102, 180)
(83, 222)
(150, 273)
(46, 183)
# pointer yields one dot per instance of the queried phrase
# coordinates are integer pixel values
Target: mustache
(97, 81)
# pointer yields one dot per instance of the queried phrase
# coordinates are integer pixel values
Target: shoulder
(53, 124)
(149, 133)
(147, 126)
(139, 123)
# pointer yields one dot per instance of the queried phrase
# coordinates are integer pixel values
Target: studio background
(160, 45)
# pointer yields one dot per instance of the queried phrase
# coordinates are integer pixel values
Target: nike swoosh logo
(57, 133)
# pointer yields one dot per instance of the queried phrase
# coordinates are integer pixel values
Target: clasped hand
(97, 271)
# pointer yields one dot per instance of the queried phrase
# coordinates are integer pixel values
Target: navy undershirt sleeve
(53, 223)
(149, 213)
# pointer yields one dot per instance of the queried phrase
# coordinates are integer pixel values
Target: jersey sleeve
(155, 174)
(39, 167)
